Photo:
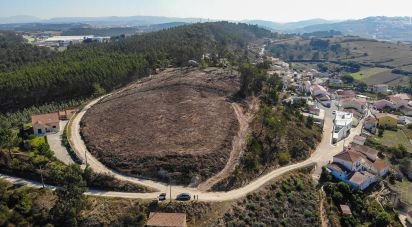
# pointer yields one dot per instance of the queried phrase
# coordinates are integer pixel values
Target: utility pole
(41, 176)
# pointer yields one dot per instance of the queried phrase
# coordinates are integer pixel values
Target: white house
(342, 125)
(45, 123)
(358, 166)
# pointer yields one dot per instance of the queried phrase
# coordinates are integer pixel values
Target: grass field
(405, 189)
(394, 138)
(368, 72)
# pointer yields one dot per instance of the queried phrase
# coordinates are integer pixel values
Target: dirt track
(179, 124)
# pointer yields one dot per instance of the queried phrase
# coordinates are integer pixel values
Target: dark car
(162, 196)
(183, 197)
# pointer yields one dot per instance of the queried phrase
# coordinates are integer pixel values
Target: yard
(394, 138)
(405, 191)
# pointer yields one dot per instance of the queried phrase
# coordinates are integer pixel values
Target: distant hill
(274, 26)
(19, 19)
(381, 28)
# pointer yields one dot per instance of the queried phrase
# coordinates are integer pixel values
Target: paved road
(55, 142)
(322, 155)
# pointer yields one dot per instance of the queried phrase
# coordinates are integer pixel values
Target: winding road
(322, 155)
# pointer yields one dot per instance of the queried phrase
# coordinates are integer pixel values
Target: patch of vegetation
(280, 133)
(15, 52)
(74, 73)
(368, 72)
(392, 138)
(290, 201)
(365, 210)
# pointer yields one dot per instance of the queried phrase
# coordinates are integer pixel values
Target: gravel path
(55, 142)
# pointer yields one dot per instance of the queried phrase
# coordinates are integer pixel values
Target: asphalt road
(322, 155)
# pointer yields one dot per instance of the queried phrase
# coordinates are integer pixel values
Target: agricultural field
(375, 52)
(376, 75)
(177, 124)
(394, 138)
(365, 73)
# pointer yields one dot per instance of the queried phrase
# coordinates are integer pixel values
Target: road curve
(322, 155)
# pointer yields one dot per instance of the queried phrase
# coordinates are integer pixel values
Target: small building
(399, 100)
(166, 219)
(325, 100)
(383, 104)
(387, 120)
(66, 114)
(45, 123)
(404, 120)
(358, 165)
(380, 88)
(407, 110)
(359, 140)
(345, 210)
(361, 180)
(360, 104)
(342, 125)
(345, 94)
(370, 124)
(317, 90)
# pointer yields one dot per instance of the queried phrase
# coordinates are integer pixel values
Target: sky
(273, 10)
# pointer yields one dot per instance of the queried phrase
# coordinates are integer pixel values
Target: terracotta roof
(358, 140)
(348, 155)
(401, 96)
(364, 149)
(45, 118)
(380, 165)
(166, 219)
(345, 209)
(371, 120)
(359, 177)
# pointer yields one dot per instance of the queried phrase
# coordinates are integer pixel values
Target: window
(54, 126)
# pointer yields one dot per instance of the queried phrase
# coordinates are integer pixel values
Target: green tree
(70, 197)
(382, 219)
(8, 140)
(348, 79)
(309, 121)
(284, 158)
(98, 90)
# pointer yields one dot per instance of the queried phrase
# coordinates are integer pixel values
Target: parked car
(162, 196)
(183, 197)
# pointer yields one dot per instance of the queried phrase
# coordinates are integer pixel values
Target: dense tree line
(75, 73)
(14, 51)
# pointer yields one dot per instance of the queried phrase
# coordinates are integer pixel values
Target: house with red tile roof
(358, 166)
(45, 123)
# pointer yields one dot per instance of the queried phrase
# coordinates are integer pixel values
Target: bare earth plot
(178, 124)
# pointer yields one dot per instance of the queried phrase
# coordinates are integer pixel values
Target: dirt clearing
(177, 123)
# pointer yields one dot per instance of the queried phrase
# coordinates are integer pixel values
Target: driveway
(55, 142)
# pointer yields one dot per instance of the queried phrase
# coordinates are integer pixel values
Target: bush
(284, 158)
